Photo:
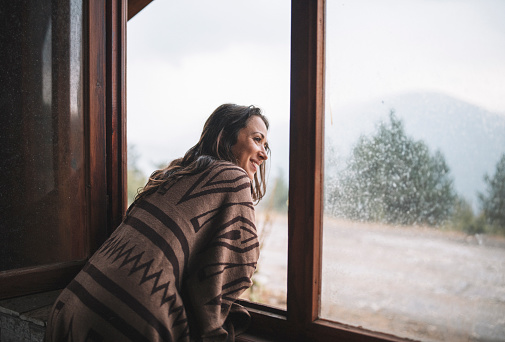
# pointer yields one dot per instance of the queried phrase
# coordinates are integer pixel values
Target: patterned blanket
(172, 270)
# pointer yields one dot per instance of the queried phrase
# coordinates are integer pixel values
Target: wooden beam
(135, 6)
(323, 330)
(116, 112)
(306, 162)
(38, 279)
(96, 127)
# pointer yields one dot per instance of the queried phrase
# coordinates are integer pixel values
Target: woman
(185, 251)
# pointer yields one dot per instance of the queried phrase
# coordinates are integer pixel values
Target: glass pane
(187, 58)
(414, 232)
(42, 156)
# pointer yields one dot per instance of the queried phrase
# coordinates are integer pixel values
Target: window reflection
(42, 184)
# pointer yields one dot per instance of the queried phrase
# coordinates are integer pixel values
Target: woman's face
(250, 149)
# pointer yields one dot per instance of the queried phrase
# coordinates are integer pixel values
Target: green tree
(493, 200)
(463, 218)
(392, 178)
(277, 194)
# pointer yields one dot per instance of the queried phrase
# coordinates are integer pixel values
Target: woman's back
(180, 259)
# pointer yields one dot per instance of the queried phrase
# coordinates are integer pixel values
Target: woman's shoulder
(228, 178)
(225, 170)
(220, 181)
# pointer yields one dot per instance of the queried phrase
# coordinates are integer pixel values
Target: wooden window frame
(105, 94)
(104, 54)
(301, 321)
(106, 141)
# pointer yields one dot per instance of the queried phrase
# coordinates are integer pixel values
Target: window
(300, 321)
(175, 81)
(103, 148)
(414, 121)
(45, 165)
(61, 104)
(308, 315)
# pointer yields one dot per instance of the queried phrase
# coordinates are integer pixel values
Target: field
(414, 282)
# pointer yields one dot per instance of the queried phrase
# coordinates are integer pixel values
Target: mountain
(471, 138)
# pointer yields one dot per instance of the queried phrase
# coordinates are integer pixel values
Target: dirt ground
(414, 282)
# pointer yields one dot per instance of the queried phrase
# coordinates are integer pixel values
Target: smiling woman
(230, 134)
(191, 234)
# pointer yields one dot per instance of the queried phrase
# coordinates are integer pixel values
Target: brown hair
(219, 134)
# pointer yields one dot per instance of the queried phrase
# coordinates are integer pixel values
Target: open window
(300, 321)
(404, 236)
(175, 80)
(64, 147)
(340, 45)
(62, 137)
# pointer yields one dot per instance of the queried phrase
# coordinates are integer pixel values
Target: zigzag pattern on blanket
(172, 270)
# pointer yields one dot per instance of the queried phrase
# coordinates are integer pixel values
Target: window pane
(414, 232)
(187, 58)
(42, 155)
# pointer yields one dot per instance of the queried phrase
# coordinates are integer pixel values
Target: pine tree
(393, 178)
(493, 201)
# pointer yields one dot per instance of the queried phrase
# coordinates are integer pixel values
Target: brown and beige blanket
(172, 270)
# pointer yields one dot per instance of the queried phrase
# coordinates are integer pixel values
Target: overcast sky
(187, 57)
(377, 48)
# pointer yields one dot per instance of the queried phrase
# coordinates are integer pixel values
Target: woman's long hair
(219, 134)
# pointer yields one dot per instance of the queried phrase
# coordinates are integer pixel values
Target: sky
(185, 58)
(452, 46)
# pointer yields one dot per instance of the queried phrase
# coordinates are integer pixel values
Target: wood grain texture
(116, 113)
(96, 129)
(83, 241)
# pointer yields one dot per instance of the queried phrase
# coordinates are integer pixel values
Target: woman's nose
(263, 153)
